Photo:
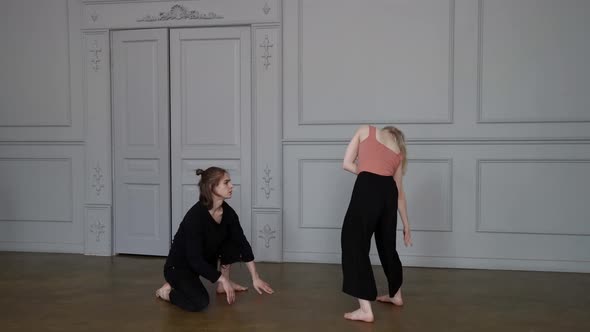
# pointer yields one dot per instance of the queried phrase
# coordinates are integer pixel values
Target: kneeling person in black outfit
(209, 233)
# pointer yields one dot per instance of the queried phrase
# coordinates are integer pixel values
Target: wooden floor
(61, 292)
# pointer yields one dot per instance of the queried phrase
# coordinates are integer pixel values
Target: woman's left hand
(407, 237)
(260, 285)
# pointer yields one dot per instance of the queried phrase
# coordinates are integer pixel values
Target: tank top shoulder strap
(372, 132)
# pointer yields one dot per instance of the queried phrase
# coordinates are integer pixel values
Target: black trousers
(372, 210)
(188, 292)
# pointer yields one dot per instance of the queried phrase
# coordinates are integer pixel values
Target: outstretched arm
(402, 206)
(259, 284)
(246, 251)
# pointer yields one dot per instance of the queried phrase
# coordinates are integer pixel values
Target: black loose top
(199, 239)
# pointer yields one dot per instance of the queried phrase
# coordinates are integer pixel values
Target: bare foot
(360, 316)
(396, 299)
(236, 287)
(164, 292)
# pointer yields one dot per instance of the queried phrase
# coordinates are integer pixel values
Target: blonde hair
(400, 139)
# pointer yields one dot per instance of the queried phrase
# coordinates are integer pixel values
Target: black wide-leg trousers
(188, 291)
(372, 210)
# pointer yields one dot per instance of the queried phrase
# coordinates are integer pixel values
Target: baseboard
(69, 248)
(454, 262)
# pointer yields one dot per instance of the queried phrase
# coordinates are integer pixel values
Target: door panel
(210, 113)
(141, 141)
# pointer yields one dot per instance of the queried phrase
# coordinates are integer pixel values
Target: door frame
(264, 18)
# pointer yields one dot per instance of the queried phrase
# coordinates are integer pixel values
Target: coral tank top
(375, 157)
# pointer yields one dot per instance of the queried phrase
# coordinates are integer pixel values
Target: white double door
(181, 101)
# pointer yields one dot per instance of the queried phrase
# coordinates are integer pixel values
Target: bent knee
(196, 306)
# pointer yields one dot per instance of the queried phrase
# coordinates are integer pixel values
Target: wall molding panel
(266, 112)
(444, 117)
(432, 186)
(98, 239)
(56, 174)
(42, 102)
(525, 202)
(310, 189)
(98, 114)
(320, 193)
(548, 38)
(268, 245)
(98, 217)
(433, 191)
(41, 198)
(342, 105)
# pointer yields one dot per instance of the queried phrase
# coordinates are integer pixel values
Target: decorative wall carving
(267, 234)
(178, 12)
(97, 227)
(266, 56)
(95, 57)
(267, 179)
(266, 8)
(94, 16)
(97, 179)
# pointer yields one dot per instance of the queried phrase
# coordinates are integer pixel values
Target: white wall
(55, 116)
(41, 127)
(493, 97)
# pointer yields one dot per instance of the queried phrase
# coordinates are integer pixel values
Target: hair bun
(199, 171)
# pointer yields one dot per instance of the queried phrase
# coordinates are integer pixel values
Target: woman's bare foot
(236, 287)
(360, 315)
(164, 292)
(396, 299)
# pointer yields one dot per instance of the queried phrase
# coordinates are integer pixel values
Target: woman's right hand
(229, 290)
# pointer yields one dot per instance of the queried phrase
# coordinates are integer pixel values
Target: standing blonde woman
(378, 157)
